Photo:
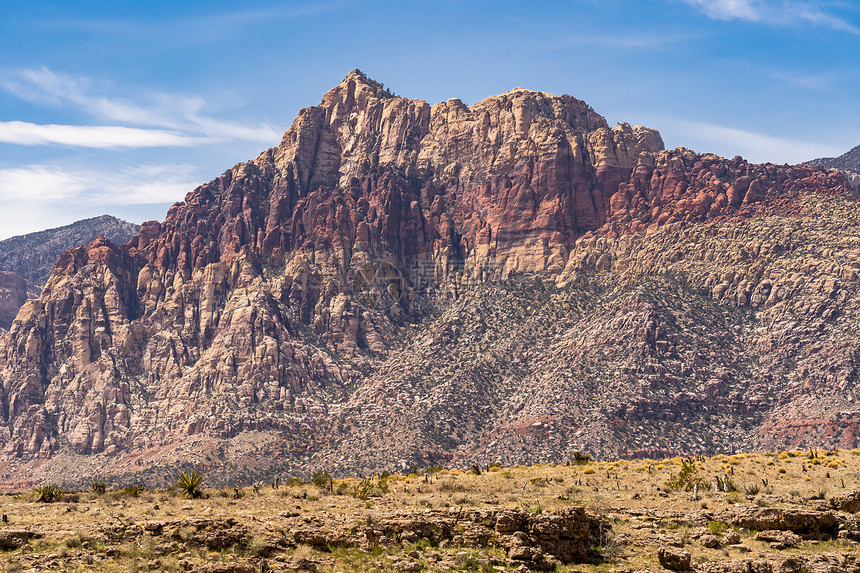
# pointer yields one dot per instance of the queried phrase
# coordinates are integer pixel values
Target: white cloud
(183, 114)
(731, 9)
(641, 41)
(92, 136)
(730, 141)
(141, 185)
(774, 12)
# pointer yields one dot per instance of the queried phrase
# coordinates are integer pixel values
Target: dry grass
(103, 532)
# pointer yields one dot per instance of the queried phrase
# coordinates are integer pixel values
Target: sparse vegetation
(132, 490)
(322, 480)
(48, 493)
(717, 527)
(687, 477)
(109, 528)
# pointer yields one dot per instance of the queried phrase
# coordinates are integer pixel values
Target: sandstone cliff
(14, 291)
(401, 283)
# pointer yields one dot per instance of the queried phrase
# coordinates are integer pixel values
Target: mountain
(848, 161)
(402, 284)
(32, 256)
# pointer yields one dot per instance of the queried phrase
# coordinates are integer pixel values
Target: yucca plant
(188, 483)
(48, 493)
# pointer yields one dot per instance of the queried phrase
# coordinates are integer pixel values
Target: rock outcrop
(398, 283)
(14, 292)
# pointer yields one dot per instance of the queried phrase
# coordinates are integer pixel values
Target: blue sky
(122, 108)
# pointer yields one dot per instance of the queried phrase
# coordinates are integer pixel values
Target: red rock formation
(262, 301)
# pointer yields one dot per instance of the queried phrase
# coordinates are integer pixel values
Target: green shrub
(686, 479)
(322, 480)
(132, 490)
(99, 487)
(362, 489)
(717, 527)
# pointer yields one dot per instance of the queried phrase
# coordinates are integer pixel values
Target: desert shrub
(322, 480)
(365, 489)
(451, 486)
(76, 540)
(686, 479)
(132, 490)
(361, 489)
(188, 483)
(581, 458)
(99, 487)
(48, 493)
(752, 488)
(717, 527)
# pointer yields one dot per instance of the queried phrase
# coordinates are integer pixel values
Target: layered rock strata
(356, 295)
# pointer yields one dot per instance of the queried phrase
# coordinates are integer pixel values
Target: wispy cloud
(184, 116)
(91, 136)
(196, 27)
(640, 41)
(729, 141)
(826, 81)
(775, 12)
(140, 185)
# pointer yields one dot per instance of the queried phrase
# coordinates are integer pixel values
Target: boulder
(674, 559)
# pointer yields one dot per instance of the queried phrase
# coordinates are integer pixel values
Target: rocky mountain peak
(402, 283)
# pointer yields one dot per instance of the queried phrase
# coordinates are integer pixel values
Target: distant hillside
(33, 256)
(849, 161)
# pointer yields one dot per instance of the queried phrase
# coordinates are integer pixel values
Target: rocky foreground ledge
(785, 512)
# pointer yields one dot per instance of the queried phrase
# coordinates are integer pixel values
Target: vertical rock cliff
(286, 298)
